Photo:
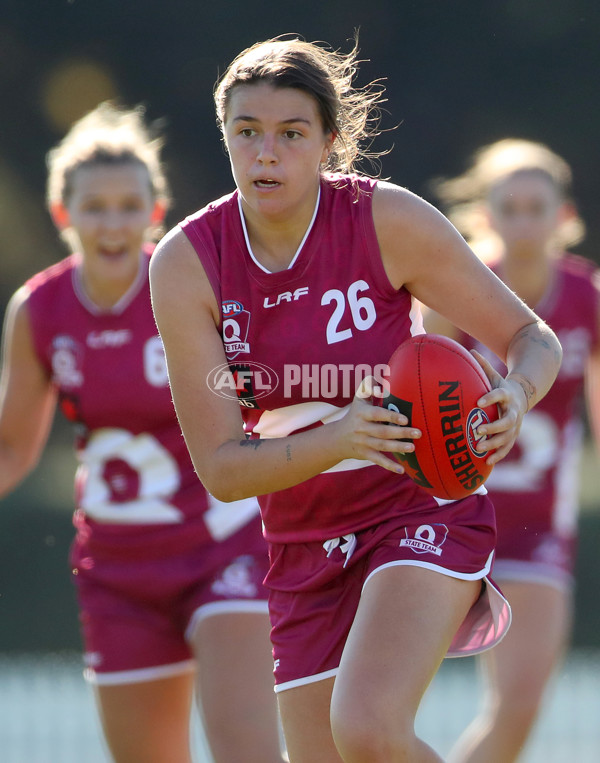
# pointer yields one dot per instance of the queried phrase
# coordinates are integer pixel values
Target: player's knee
(363, 735)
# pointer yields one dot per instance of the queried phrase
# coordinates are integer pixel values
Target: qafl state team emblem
(236, 322)
(425, 539)
(67, 361)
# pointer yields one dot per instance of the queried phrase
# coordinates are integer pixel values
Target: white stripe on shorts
(138, 676)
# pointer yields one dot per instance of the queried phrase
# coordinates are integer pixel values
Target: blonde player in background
(514, 207)
(169, 581)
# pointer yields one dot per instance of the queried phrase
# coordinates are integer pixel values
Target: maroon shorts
(138, 614)
(314, 588)
(535, 554)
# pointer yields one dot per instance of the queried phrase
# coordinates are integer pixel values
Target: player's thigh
(235, 685)
(148, 720)
(541, 624)
(406, 620)
(305, 718)
(234, 655)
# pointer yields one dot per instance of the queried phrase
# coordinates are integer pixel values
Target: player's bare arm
(592, 382)
(27, 398)
(187, 316)
(423, 251)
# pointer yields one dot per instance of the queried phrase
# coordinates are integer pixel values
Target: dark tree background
(459, 73)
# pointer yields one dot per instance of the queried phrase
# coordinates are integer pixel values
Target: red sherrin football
(435, 382)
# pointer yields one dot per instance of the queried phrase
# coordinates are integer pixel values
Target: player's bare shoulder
(17, 311)
(177, 276)
(408, 228)
(174, 250)
(396, 210)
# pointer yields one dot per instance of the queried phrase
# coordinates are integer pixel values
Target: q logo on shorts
(426, 539)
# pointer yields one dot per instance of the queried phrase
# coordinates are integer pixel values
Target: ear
(483, 210)
(329, 141)
(60, 215)
(482, 217)
(567, 212)
(158, 213)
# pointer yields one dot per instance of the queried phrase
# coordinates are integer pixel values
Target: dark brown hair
(350, 114)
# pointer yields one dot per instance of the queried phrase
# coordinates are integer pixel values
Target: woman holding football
(302, 270)
(514, 205)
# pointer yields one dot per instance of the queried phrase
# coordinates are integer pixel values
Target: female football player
(310, 274)
(169, 580)
(515, 207)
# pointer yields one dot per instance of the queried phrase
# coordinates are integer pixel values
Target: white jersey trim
(224, 519)
(481, 490)
(122, 304)
(298, 250)
(416, 318)
(281, 422)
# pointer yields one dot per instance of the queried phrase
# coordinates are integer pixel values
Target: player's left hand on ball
(508, 396)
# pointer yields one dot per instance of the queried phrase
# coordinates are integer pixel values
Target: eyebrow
(245, 118)
(99, 196)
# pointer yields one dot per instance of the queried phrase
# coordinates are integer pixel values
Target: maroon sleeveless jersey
(299, 342)
(110, 372)
(536, 486)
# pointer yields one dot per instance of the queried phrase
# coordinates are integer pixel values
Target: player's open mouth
(112, 252)
(266, 183)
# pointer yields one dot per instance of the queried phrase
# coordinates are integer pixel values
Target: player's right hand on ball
(370, 431)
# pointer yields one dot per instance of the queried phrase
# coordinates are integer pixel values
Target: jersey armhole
(373, 249)
(37, 326)
(208, 258)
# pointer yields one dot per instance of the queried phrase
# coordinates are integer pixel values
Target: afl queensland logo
(236, 322)
(474, 419)
(67, 361)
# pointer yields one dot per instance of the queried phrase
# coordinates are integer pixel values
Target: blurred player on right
(513, 207)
